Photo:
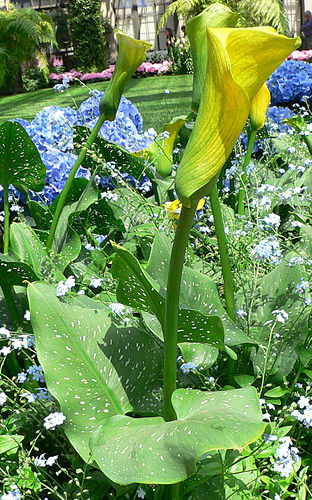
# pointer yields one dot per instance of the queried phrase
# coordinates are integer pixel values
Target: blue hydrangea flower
(52, 134)
(290, 83)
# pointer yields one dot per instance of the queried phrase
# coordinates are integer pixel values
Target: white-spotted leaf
(152, 451)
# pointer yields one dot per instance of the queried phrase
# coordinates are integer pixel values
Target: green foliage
(251, 13)
(88, 30)
(23, 34)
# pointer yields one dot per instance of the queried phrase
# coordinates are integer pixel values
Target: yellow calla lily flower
(239, 62)
(160, 151)
(131, 53)
(259, 107)
(215, 16)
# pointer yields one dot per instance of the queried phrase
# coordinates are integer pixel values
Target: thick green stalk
(241, 193)
(6, 220)
(70, 179)
(224, 256)
(172, 307)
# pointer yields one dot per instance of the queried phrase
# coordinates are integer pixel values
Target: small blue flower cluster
(52, 133)
(291, 82)
(187, 367)
(268, 250)
(286, 455)
(305, 417)
(275, 117)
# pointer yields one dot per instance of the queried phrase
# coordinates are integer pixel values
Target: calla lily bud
(160, 151)
(131, 53)
(215, 16)
(239, 63)
(259, 107)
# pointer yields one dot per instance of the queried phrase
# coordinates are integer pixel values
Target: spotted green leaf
(150, 450)
(20, 162)
(204, 356)
(15, 273)
(78, 373)
(135, 287)
(138, 289)
(92, 368)
(198, 292)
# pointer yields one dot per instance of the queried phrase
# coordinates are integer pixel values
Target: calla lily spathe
(131, 53)
(239, 61)
(259, 107)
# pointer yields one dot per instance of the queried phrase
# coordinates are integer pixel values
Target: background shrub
(88, 30)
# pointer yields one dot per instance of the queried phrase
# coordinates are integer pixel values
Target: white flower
(70, 282)
(266, 416)
(5, 350)
(96, 282)
(167, 91)
(281, 315)
(140, 493)
(5, 332)
(27, 315)
(3, 398)
(51, 460)
(40, 461)
(116, 307)
(54, 419)
(303, 402)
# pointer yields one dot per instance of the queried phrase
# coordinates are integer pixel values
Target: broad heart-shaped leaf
(77, 372)
(276, 291)
(137, 289)
(150, 450)
(13, 272)
(20, 162)
(103, 152)
(29, 249)
(204, 356)
(90, 366)
(198, 292)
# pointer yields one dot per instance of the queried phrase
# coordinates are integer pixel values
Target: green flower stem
(308, 140)
(224, 256)
(71, 177)
(10, 302)
(241, 193)
(172, 492)
(172, 307)
(6, 220)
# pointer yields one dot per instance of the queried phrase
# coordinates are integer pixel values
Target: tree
(23, 32)
(251, 12)
(88, 30)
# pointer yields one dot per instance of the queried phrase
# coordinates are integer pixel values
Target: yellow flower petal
(222, 114)
(259, 107)
(239, 62)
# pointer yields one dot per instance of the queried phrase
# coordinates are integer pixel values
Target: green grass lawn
(147, 94)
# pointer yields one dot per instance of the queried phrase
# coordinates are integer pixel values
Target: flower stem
(6, 220)
(241, 193)
(223, 252)
(172, 307)
(71, 177)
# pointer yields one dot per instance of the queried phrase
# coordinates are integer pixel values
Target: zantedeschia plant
(122, 409)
